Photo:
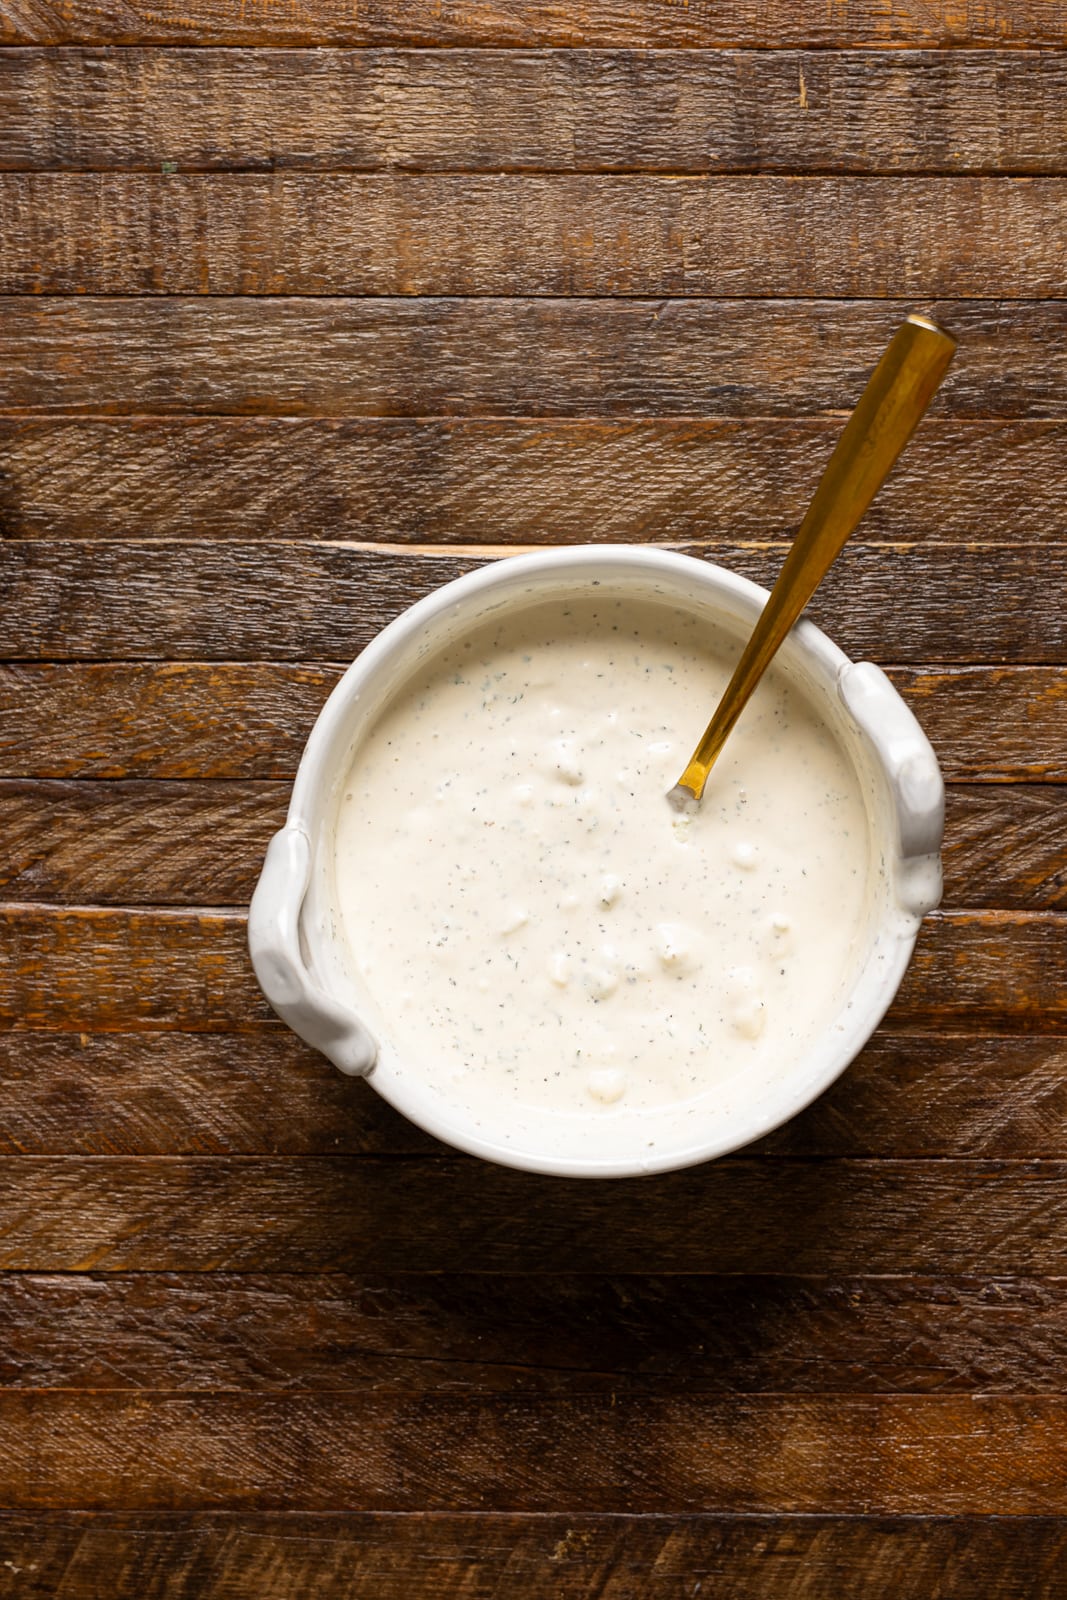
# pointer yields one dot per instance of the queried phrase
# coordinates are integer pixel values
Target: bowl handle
(915, 781)
(274, 945)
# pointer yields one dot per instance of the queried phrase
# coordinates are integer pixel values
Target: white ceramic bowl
(299, 956)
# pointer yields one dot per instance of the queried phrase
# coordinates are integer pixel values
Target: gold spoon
(890, 408)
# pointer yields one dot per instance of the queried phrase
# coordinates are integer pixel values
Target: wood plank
(991, 1455)
(122, 234)
(202, 844)
(523, 357)
(561, 111)
(167, 600)
(111, 970)
(275, 602)
(184, 844)
(443, 1215)
(510, 481)
(955, 705)
(1004, 846)
(253, 1094)
(249, 720)
(915, 1095)
(368, 1556)
(210, 600)
(908, 1095)
(642, 24)
(558, 1334)
(176, 721)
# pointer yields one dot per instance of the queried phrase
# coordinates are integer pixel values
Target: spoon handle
(889, 410)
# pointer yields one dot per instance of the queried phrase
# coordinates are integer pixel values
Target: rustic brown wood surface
(513, 480)
(114, 970)
(238, 720)
(478, 355)
(194, 843)
(638, 24)
(181, 600)
(221, 234)
(541, 1557)
(266, 1094)
(563, 111)
(303, 311)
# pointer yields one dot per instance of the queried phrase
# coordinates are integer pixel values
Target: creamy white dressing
(537, 927)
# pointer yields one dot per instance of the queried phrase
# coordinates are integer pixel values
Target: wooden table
(305, 310)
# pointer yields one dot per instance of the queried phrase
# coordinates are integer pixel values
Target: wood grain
(557, 1334)
(562, 111)
(195, 844)
(367, 1556)
(961, 708)
(353, 1556)
(444, 1215)
(932, 1454)
(226, 720)
(185, 844)
(108, 970)
(120, 234)
(510, 481)
(262, 602)
(524, 357)
(260, 1094)
(458, 287)
(909, 1095)
(639, 23)
(178, 720)
(139, 970)
(920, 1096)
(229, 601)
(1004, 846)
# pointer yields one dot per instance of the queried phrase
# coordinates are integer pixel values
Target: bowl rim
(897, 925)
